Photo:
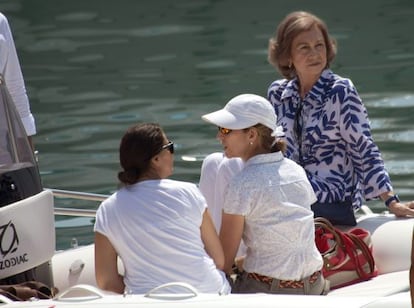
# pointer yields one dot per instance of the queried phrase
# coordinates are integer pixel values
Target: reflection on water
(94, 67)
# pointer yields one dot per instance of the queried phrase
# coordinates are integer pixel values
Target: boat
(71, 270)
(28, 251)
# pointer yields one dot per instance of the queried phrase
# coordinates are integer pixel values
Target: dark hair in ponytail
(139, 144)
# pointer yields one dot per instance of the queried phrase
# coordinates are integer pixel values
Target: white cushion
(27, 234)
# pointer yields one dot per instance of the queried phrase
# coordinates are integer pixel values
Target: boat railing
(77, 195)
(59, 193)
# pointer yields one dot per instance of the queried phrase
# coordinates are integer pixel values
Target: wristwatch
(391, 199)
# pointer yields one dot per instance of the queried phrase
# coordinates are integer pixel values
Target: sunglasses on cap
(169, 146)
(224, 131)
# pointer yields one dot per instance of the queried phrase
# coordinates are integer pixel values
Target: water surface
(94, 67)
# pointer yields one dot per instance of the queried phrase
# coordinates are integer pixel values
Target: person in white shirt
(159, 228)
(267, 204)
(11, 75)
(216, 172)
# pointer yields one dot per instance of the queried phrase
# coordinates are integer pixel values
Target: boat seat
(391, 244)
(27, 234)
(391, 241)
(382, 285)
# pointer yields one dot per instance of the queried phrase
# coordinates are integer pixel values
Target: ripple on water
(391, 100)
(77, 16)
(159, 30)
(216, 64)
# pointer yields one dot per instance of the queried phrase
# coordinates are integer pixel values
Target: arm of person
(14, 77)
(230, 236)
(211, 240)
(106, 265)
(363, 152)
(412, 271)
(396, 207)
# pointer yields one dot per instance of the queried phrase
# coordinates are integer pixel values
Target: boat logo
(9, 241)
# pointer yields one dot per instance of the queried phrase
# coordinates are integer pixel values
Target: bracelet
(391, 199)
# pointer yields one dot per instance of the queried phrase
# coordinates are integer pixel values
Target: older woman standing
(267, 204)
(326, 124)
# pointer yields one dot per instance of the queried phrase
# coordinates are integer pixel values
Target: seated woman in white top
(159, 228)
(216, 172)
(267, 204)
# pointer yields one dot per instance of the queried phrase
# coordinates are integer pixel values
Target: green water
(93, 67)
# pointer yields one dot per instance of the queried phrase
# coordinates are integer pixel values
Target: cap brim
(223, 118)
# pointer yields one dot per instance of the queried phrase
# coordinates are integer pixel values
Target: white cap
(243, 111)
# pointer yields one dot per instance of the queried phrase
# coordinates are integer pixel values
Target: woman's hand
(401, 209)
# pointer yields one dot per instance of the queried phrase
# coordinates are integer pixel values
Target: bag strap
(350, 243)
(326, 225)
(363, 247)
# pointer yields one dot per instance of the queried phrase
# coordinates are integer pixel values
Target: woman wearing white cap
(267, 204)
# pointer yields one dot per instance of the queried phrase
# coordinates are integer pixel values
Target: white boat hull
(400, 300)
(392, 250)
(72, 272)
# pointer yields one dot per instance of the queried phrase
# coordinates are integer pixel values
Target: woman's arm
(14, 78)
(396, 207)
(230, 236)
(211, 240)
(106, 265)
(412, 271)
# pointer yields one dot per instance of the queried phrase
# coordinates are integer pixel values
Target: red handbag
(347, 255)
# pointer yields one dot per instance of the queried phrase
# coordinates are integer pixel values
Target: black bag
(338, 213)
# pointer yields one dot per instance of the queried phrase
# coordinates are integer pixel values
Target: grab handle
(172, 296)
(83, 288)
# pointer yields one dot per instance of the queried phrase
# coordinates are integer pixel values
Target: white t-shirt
(154, 226)
(216, 172)
(274, 195)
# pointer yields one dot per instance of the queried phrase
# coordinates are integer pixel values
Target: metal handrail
(59, 193)
(77, 195)
(74, 212)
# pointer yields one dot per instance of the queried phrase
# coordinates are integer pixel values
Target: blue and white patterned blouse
(328, 133)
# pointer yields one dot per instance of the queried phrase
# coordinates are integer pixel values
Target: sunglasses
(169, 146)
(224, 131)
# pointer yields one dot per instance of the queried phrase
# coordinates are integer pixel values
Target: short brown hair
(291, 26)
